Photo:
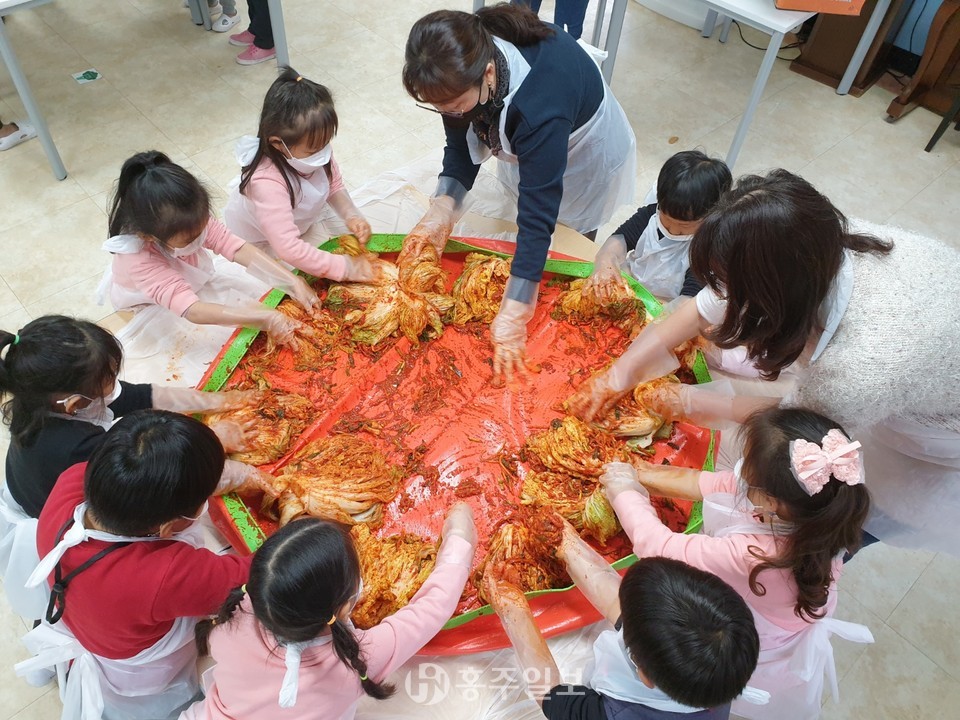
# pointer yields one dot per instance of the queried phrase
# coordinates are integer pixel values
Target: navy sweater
(561, 93)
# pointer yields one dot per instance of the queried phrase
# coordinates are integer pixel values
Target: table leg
(477, 4)
(769, 57)
(709, 24)
(725, 30)
(279, 32)
(195, 15)
(598, 23)
(205, 14)
(613, 38)
(33, 111)
(866, 40)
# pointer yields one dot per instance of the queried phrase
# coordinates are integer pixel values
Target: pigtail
(347, 647)
(517, 24)
(6, 381)
(223, 616)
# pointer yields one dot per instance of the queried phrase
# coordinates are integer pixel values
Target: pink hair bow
(813, 465)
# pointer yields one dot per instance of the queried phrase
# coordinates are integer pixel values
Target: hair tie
(332, 620)
(243, 589)
(213, 621)
(837, 456)
(16, 339)
(299, 78)
(363, 678)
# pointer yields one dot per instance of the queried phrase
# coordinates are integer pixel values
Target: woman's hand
(360, 228)
(235, 436)
(594, 399)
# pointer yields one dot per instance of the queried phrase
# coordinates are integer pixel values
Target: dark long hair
(294, 109)
(154, 466)
(157, 197)
(448, 50)
(773, 245)
(824, 524)
(54, 354)
(688, 631)
(300, 578)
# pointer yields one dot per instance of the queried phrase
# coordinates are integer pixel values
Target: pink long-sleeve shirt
(727, 557)
(270, 201)
(250, 666)
(154, 274)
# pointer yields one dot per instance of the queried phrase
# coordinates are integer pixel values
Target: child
(684, 641)
(258, 37)
(776, 529)
(292, 651)
(58, 380)
(229, 16)
(289, 175)
(654, 244)
(123, 554)
(12, 134)
(161, 234)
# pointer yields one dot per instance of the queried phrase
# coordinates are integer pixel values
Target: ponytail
(223, 616)
(823, 525)
(448, 51)
(347, 648)
(158, 198)
(516, 24)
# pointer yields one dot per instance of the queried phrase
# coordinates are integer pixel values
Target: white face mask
(311, 163)
(98, 411)
(192, 248)
(669, 236)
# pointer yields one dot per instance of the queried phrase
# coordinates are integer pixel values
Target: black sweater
(561, 93)
(32, 471)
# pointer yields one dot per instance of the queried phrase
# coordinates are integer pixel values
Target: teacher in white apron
(510, 86)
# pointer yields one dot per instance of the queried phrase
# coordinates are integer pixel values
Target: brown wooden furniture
(828, 50)
(938, 75)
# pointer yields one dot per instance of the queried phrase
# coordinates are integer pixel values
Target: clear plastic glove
(620, 477)
(240, 477)
(189, 401)
(508, 331)
(343, 206)
(591, 572)
(279, 327)
(606, 277)
(647, 358)
(363, 269)
(265, 268)
(235, 436)
(446, 207)
(460, 522)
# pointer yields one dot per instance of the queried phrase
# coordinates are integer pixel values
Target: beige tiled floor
(169, 85)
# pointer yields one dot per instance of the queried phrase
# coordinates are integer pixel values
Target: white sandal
(24, 132)
(225, 22)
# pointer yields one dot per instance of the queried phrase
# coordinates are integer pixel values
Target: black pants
(260, 26)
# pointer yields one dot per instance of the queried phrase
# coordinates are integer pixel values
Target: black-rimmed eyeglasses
(451, 113)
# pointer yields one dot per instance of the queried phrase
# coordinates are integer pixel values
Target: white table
(23, 87)
(764, 16)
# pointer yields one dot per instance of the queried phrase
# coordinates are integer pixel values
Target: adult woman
(511, 86)
(854, 315)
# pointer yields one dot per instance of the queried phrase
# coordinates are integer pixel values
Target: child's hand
(305, 296)
(460, 522)
(360, 228)
(569, 540)
(620, 477)
(235, 436)
(237, 399)
(364, 269)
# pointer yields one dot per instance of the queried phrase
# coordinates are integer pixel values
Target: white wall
(688, 12)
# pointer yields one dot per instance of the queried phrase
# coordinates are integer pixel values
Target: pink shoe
(253, 55)
(242, 39)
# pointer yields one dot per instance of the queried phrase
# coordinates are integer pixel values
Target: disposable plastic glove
(620, 477)
(460, 522)
(446, 207)
(647, 358)
(606, 277)
(265, 268)
(343, 206)
(235, 436)
(279, 327)
(238, 476)
(189, 401)
(363, 269)
(591, 573)
(508, 331)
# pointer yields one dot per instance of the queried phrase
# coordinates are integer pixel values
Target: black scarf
(487, 123)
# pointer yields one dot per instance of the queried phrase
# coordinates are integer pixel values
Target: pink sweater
(727, 557)
(156, 276)
(270, 199)
(250, 668)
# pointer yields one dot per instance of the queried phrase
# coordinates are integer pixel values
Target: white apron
(792, 663)
(239, 216)
(124, 298)
(152, 685)
(601, 156)
(18, 558)
(660, 263)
